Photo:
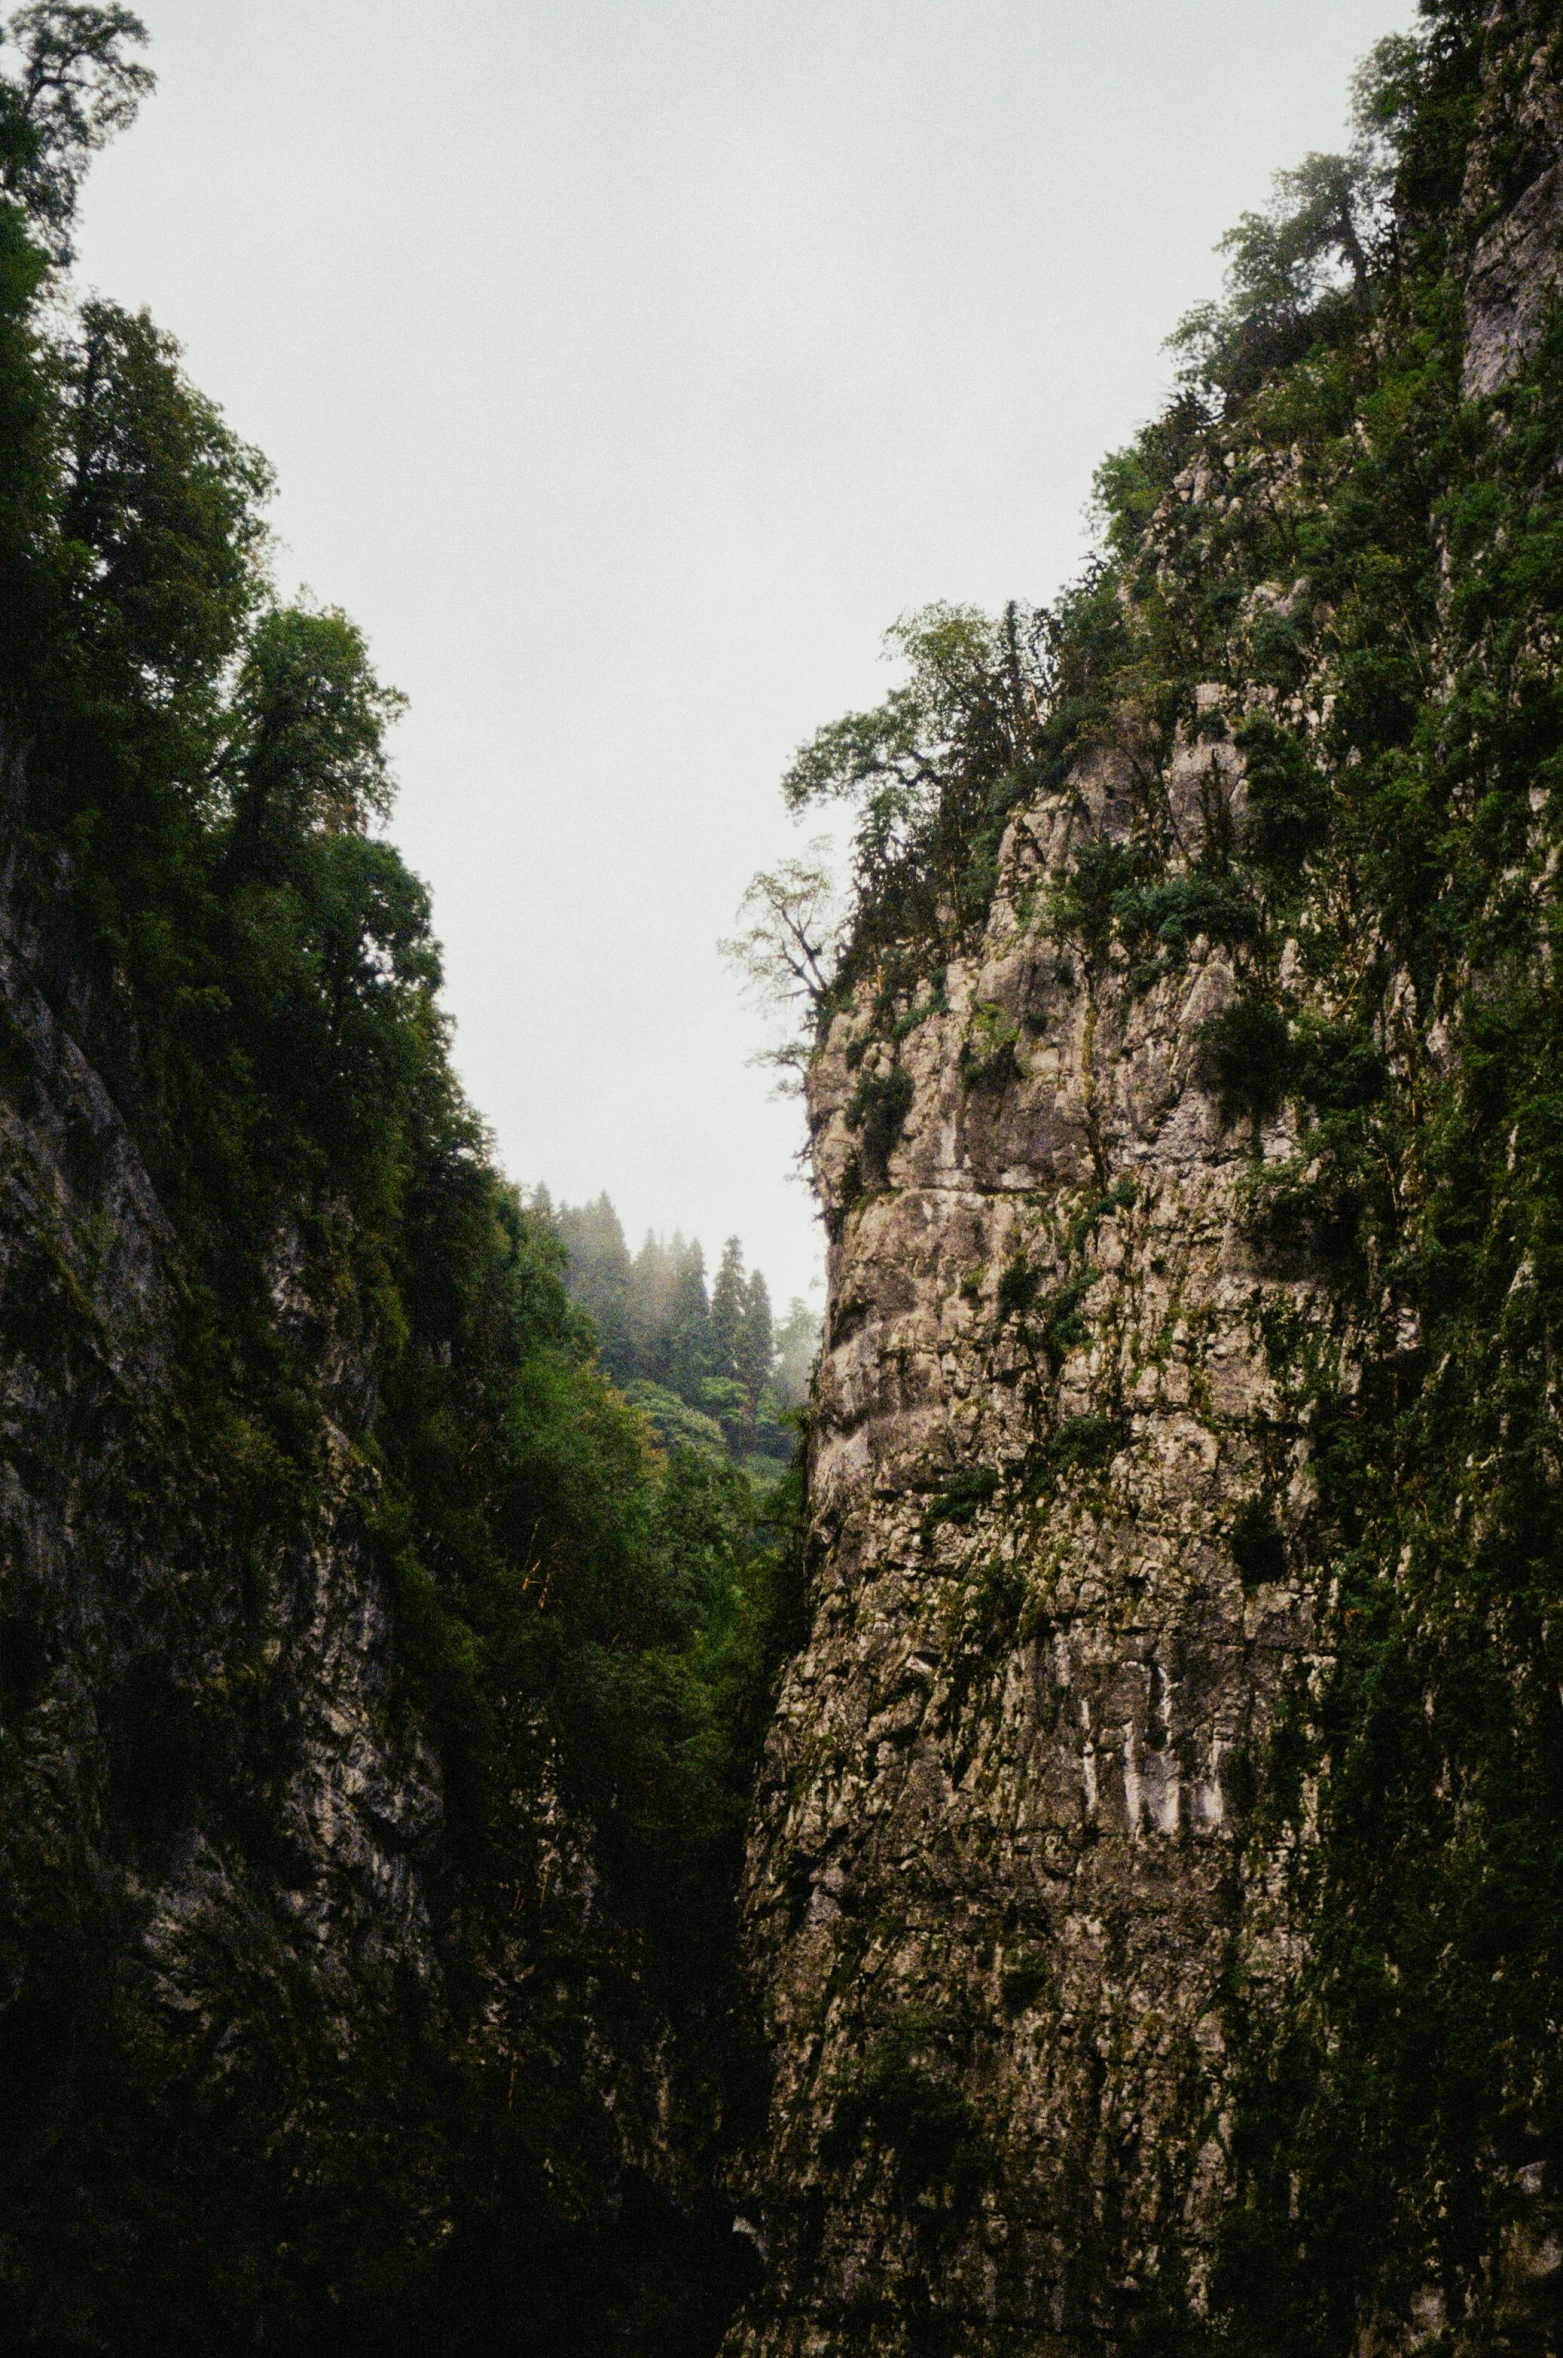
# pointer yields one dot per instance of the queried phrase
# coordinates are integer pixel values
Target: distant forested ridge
(710, 1365)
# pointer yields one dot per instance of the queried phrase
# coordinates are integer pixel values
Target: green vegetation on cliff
(1337, 557)
(376, 1700)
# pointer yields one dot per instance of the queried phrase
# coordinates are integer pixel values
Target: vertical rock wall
(1001, 1863)
(160, 1696)
(1033, 1921)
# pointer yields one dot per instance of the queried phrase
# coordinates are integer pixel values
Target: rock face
(1515, 266)
(265, 2028)
(1515, 276)
(89, 1284)
(1002, 1862)
(128, 1622)
(1129, 1790)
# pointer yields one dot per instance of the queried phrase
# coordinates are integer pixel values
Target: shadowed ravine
(1075, 1867)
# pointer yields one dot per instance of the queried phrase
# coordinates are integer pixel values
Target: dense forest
(711, 1367)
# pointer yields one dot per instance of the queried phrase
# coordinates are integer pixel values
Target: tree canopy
(75, 83)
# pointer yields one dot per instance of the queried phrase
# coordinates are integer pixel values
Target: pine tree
(728, 1299)
(598, 1275)
(755, 1349)
(688, 1334)
(797, 1348)
(653, 1278)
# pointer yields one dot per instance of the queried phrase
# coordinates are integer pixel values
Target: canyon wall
(1007, 1845)
(1125, 1888)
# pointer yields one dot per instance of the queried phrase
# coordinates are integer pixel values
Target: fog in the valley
(628, 366)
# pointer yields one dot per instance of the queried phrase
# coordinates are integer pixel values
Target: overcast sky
(629, 366)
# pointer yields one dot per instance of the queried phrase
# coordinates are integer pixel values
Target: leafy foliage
(930, 775)
(373, 1363)
(75, 88)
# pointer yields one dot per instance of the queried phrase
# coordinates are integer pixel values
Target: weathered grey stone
(1003, 1826)
(1516, 276)
(89, 1284)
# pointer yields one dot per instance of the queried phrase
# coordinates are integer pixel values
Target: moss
(919, 1014)
(1082, 1445)
(990, 1050)
(980, 1625)
(962, 1498)
(878, 1109)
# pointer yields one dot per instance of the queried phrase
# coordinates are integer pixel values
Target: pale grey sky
(629, 366)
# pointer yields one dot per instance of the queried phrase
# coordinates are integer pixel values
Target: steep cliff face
(164, 1690)
(126, 1614)
(1013, 1777)
(374, 1697)
(1155, 1877)
(265, 2014)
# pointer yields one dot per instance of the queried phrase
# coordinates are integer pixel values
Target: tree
(755, 1348)
(1288, 256)
(1308, 266)
(796, 1349)
(75, 88)
(653, 1276)
(660, 1337)
(788, 951)
(929, 775)
(161, 511)
(313, 719)
(689, 1352)
(917, 768)
(727, 1309)
(329, 957)
(598, 1275)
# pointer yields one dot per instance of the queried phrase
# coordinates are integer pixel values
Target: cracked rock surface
(1001, 1860)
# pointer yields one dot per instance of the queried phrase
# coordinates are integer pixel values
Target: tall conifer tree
(728, 1304)
(689, 1350)
(755, 1347)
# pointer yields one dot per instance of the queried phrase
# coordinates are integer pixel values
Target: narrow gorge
(1075, 1869)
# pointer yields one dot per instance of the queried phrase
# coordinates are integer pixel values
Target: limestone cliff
(373, 1693)
(1014, 1768)
(274, 2056)
(1155, 1838)
(119, 1628)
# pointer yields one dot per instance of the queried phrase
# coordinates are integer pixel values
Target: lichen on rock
(1125, 1887)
